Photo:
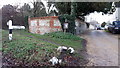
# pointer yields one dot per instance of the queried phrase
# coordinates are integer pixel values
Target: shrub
(62, 35)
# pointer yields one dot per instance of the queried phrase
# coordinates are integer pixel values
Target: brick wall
(42, 25)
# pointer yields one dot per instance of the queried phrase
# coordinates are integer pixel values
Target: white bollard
(10, 36)
(71, 50)
(9, 23)
(55, 61)
(61, 48)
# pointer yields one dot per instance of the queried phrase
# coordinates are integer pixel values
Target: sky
(21, 3)
(97, 16)
(14, 2)
(91, 17)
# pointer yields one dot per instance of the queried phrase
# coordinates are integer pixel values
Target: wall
(42, 25)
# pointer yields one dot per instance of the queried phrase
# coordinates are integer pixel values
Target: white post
(9, 23)
(65, 27)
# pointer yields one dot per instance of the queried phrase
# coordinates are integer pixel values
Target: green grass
(22, 47)
(0, 40)
(107, 31)
(29, 47)
(66, 39)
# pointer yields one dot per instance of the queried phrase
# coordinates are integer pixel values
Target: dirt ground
(102, 48)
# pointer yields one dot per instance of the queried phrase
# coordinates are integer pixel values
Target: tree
(103, 24)
(63, 7)
(17, 15)
(7, 12)
(84, 8)
(38, 9)
(79, 9)
(25, 12)
(70, 19)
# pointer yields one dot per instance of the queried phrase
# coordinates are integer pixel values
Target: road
(102, 48)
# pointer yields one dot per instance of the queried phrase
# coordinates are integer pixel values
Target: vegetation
(21, 14)
(81, 10)
(33, 49)
(103, 24)
(61, 35)
(71, 22)
(27, 48)
(38, 9)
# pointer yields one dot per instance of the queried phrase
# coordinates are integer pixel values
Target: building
(117, 5)
(42, 25)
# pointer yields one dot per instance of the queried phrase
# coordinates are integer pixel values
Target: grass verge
(34, 49)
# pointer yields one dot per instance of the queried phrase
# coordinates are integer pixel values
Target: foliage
(103, 24)
(79, 9)
(26, 8)
(61, 35)
(76, 41)
(7, 12)
(70, 20)
(38, 9)
(84, 8)
(20, 15)
(26, 21)
(63, 7)
(66, 39)
(88, 25)
(29, 48)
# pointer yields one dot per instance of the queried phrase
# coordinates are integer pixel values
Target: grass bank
(34, 49)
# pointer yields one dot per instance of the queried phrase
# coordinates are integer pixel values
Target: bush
(70, 20)
(62, 35)
(103, 24)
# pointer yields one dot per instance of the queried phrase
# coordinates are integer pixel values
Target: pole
(9, 23)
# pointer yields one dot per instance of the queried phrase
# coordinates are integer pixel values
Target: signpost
(9, 23)
(65, 25)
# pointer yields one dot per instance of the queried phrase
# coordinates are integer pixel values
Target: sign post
(9, 23)
(65, 25)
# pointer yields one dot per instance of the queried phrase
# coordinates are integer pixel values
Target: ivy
(70, 20)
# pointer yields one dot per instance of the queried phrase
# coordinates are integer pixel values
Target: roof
(46, 17)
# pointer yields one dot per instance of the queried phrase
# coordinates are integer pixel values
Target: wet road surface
(102, 48)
